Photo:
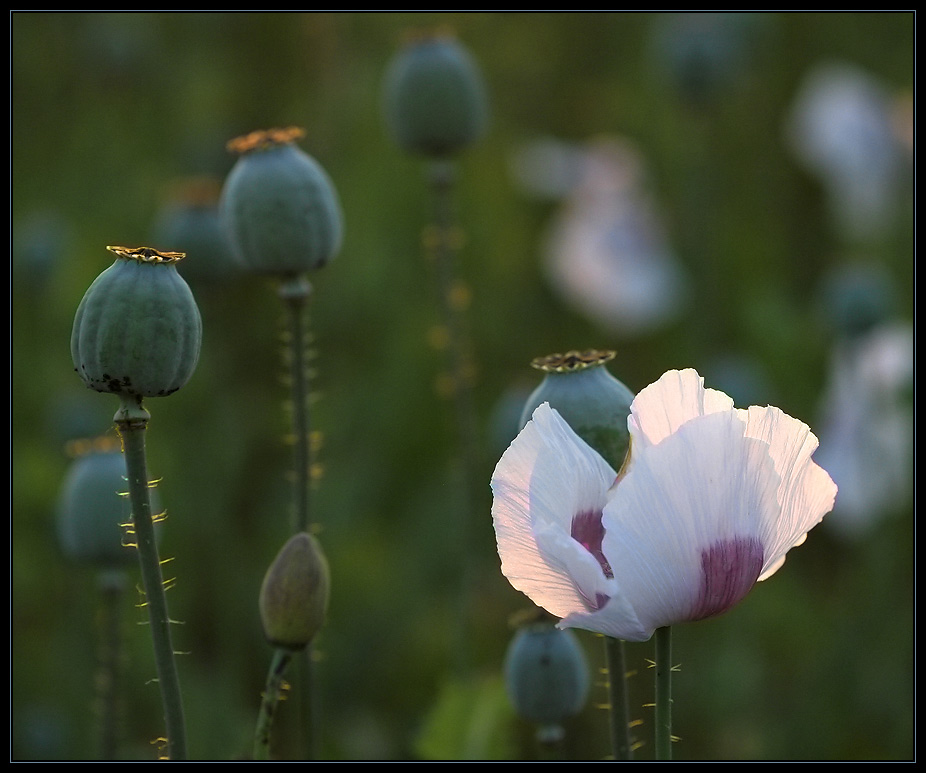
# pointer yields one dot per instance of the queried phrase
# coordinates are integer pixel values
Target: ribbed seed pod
(294, 594)
(592, 401)
(546, 674)
(93, 516)
(137, 331)
(279, 207)
(435, 101)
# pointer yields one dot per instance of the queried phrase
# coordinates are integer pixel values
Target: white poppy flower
(708, 503)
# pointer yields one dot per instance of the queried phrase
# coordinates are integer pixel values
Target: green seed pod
(279, 207)
(190, 216)
(137, 331)
(435, 102)
(592, 401)
(546, 675)
(294, 594)
(93, 516)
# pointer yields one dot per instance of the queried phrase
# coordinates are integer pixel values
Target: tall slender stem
(664, 693)
(112, 590)
(294, 293)
(132, 423)
(269, 701)
(619, 711)
(461, 379)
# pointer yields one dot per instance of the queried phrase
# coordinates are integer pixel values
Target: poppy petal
(661, 408)
(546, 477)
(689, 504)
(806, 493)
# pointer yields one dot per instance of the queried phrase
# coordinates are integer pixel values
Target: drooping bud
(546, 676)
(279, 207)
(137, 331)
(434, 97)
(591, 400)
(294, 594)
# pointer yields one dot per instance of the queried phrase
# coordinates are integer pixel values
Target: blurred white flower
(843, 128)
(606, 253)
(709, 502)
(867, 425)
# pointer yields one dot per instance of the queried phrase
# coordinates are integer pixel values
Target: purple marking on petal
(594, 606)
(729, 569)
(588, 531)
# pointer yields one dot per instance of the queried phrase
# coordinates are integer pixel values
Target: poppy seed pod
(93, 516)
(434, 97)
(137, 331)
(294, 594)
(591, 400)
(546, 675)
(190, 216)
(279, 207)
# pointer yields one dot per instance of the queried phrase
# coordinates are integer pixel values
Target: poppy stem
(664, 693)
(132, 421)
(294, 293)
(443, 238)
(112, 592)
(269, 700)
(617, 699)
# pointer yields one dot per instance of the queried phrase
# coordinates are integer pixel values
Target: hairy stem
(294, 293)
(269, 702)
(664, 693)
(461, 379)
(619, 711)
(132, 422)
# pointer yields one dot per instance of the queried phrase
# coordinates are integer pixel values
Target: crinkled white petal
(806, 493)
(546, 477)
(703, 484)
(665, 405)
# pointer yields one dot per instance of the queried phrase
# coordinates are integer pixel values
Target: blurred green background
(109, 110)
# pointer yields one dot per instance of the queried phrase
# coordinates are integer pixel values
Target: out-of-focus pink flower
(843, 127)
(867, 426)
(709, 501)
(607, 252)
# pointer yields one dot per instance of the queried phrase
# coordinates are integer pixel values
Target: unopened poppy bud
(591, 400)
(434, 97)
(546, 676)
(294, 594)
